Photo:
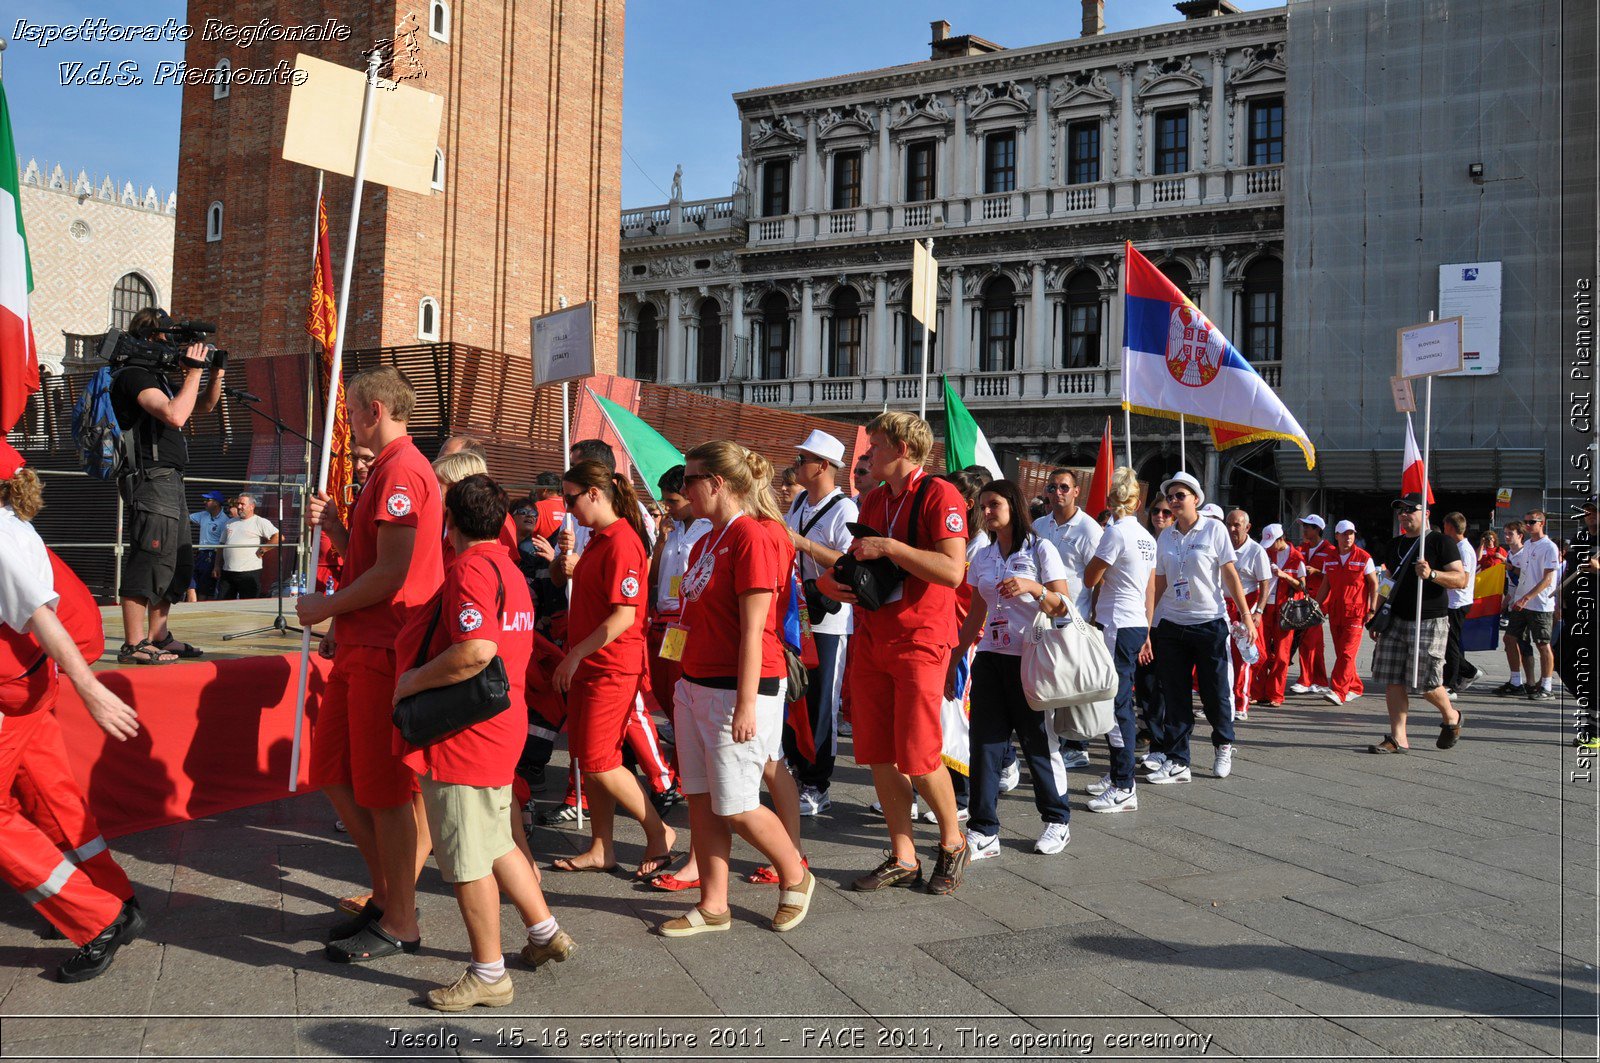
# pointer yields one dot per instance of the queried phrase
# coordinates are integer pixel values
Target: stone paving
(1321, 903)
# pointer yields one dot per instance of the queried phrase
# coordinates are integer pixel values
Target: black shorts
(160, 560)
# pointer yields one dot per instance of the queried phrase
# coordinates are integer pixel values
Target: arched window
(1263, 298)
(708, 344)
(998, 353)
(647, 345)
(428, 319)
(773, 357)
(214, 222)
(223, 85)
(438, 169)
(1082, 350)
(439, 20)
(131, 295)
(1179, 274)
(844, 339)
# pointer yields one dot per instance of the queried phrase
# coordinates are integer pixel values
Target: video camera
(163, 355)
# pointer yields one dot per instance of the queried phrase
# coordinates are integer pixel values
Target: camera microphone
(194, 326)
(240, 393)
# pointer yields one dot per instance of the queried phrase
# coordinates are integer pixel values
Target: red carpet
(213, 736)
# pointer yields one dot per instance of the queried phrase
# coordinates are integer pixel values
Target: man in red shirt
(1288, 579)
(1318, 554)
(393, 567)
(897, 673)
(1349, 596)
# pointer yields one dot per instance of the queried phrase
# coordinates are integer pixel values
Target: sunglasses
(524, 512)
(694, 478)
(806, 459)
(1062, 488)
(1177, 496)
(1532, 520)
(1161, 512)
(570, 499)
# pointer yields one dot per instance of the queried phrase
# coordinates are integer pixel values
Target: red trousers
(1313, 669)
(664, 673)
(642, 739)
(1273, 673)
(51, 849)
(1346, 644)
(1244, 674)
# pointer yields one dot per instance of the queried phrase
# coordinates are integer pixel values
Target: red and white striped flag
(1411, 467)
(19, 355)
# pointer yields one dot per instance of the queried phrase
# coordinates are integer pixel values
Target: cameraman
(160, 562)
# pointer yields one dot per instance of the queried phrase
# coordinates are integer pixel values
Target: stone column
(1039, 342)
(1217, 163)
(956, 324)
(1213, 305)
(1126, 118)
(809, 203)
(882, 353)
(808, 363)
(671, 363)
(963, 181)
(736, 333)
(885, 169)
(1041, 132)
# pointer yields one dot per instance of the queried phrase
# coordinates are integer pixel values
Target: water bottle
(1249, 652)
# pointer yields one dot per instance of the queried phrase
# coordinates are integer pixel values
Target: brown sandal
(1450, 733)
(1388, 745)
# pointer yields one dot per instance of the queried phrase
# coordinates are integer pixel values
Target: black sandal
(371, 942)
(1450, 733)
(145, 652)
(182, 649)
(1388, 745)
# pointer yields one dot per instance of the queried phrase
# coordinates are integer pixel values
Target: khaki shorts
(471, 827)
(1534, 627)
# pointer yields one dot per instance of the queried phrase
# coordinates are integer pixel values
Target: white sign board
(1429, 349)
(1471, 291)
(563, 345)
(325, 125)
(924, 286)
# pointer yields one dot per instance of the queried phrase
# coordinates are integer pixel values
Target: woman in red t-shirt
(730, 699)
(605, 663)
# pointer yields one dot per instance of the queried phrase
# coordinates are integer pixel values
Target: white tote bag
(1065, 665)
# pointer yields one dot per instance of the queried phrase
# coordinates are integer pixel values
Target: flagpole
(566, 457)
(308, 563)
(374, 60)
(1422, 536)
(927, 336)
(1183, 447)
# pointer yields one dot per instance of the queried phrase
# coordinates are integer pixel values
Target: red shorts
(897, 691)
(597, 718)
(353, 739)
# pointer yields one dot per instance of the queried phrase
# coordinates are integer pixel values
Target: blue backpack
(104, 450)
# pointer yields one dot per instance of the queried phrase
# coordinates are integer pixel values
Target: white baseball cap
(1343, 526)
(1189, 483)
(825, 447)
(1271, 534)
(1315, 521)
(1212, 510)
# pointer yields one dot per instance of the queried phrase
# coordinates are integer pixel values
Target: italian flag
(968, 445)
(19, 357)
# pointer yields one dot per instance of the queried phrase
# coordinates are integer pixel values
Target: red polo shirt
(401, 490)
(923, 611)
(612, 570)
(743, 557)
(552, 511)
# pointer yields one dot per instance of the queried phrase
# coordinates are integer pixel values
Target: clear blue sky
(684, 60)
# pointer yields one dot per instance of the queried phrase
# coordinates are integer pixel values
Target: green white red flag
(19, 355)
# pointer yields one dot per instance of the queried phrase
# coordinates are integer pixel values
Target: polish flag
(1411, 470)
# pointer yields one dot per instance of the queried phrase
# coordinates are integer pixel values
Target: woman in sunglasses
(1194, 569)
(605, 663)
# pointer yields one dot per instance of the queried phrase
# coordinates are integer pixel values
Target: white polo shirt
(1131, 553)
(675, 562)
(26, 581)
(827, 530)
(1076, 541)
(1008, 618)
(1537, 557)
(1461, 598)
(1255, 567)
(1192, 565)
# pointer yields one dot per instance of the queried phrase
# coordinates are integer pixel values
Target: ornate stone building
(99, 253)
(1028, 168)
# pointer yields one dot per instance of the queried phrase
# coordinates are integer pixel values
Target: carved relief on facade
(779, 127)
(927, 107)
(839, 118)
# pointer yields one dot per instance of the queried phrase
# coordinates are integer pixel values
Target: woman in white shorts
(730, 700)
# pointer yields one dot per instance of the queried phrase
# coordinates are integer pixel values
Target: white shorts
(775, 748)
(709, 760)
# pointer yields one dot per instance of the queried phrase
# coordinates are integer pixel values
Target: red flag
(322, 321)
(1100, 486)
(1411, 467)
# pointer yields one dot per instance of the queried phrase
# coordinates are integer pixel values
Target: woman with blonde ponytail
(604, 668)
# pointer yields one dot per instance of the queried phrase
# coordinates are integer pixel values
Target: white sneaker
(1075, 758)
(984, 847)
(1329, 695)
(1010, 776)
(1115, 800)
(1053, 839)
(1300, 688)
(1241, 714)
(1222, 767)
(844, 730)
(1153, 761)
(1170, 772)
(1351, 697)
(814, 801)
(1099, 786)
(878, 808)
(1318, 688)
(962, 815)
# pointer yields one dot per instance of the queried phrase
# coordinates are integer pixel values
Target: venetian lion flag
(19, 355)
(1177, 363)
(322, 321)
(1411, 478)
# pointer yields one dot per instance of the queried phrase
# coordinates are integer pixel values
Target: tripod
(280, 623)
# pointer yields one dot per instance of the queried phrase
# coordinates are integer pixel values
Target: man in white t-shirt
(1459, 673)
(818, 526)
(244, 544)
(1076, 535)
(1255, 570)
(1532, 606)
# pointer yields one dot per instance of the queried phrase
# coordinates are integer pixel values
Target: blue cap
(214, 496)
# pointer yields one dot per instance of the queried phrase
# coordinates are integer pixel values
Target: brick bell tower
(527, 180)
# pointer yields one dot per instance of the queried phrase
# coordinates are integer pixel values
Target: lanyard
(712, 549)
(905, 497)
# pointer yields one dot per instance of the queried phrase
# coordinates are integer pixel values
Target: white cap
(1314, 520)
(825, 447)
(1212, 510)
(1271, 534)
(1343, 526)
(1184, 480)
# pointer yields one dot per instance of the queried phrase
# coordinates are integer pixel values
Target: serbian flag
(1411, 470)
(1481, 629)
(1100, 486)
(1176, 363)
(322, 321)
(19, 355)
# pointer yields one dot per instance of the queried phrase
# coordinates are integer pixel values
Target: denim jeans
(1186, 653)
(1124, 644)
(1000, 708)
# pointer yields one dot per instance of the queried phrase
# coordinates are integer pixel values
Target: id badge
(1385, 585)
(1000, 633)
(1180, 590)
(672, 643)
(675, 587)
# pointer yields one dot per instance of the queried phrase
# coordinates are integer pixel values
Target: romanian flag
(1176, 363)
(322, 321)
(19, 355)
(1481, 630)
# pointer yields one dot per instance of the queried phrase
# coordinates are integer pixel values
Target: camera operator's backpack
(104, 451)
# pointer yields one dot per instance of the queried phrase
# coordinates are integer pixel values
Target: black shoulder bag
(428, 716)
(817, 604)
(874, 581)
(1383, 619)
